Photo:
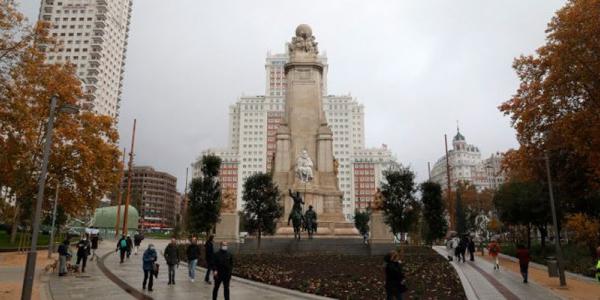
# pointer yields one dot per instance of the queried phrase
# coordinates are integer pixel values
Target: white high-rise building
(253, 123)
(92, 35)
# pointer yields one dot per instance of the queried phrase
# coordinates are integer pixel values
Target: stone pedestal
(380, 232)
(228, 228)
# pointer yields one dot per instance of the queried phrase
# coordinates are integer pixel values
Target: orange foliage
(84, 152)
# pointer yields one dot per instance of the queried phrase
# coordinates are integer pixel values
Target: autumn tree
(261, 204)
(556, 109)
(83, 151)
(205, 197)
(400, 208)
(584, 230)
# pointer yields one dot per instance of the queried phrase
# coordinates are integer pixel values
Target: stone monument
(380, 232)
(304, 159)
(227, 228)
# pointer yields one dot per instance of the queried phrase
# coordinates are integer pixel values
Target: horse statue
(297, 222)
(296, 213)
(310, 219)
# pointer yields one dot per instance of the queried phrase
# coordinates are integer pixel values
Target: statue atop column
(304, 167)
(304, 40)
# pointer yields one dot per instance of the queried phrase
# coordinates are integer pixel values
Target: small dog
(51, 267)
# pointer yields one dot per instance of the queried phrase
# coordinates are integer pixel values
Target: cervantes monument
(304, 159)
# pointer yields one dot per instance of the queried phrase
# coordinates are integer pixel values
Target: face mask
(224, 248)
(85, 239)
(151, 248)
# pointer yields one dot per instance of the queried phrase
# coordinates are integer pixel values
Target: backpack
(123, 243)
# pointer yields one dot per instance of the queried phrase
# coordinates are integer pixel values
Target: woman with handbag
(394, 276)
(149, 260)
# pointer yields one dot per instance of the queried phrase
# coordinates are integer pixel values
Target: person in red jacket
(494, 250)
(523, 256)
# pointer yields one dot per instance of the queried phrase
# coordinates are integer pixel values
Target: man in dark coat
(394, 277)
(137, 241)
(193, 253)
(209, 252)
(223, 264)
(471, 248)
(129, 246)
(94, 241)
(172, 257)
(83, 250)
(122, 247)
(523, 256)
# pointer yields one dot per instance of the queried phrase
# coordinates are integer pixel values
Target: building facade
(368, 170)
(92, 35)
(155, 195)
(254, 120)
(466, 165)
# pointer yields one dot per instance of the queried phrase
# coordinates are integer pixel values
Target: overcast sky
(417, 66)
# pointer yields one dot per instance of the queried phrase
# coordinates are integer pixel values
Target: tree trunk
(543, 233)
(259, 235)
(528, 235)
(15, 224)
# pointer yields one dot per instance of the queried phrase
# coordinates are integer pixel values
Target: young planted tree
(261, 205)
(205, 197)
(361, 222)
(433, 211)
(400, 208)
(525, 204)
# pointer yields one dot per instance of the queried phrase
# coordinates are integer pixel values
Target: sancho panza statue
(304, 167)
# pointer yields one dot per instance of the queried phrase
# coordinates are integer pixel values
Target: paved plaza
(481, 281)
(95, 285)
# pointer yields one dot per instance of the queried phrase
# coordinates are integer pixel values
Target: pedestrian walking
(449, 249)
(193, 253)
(83, 250)
(63, 256)
(223, 268)
(209, 253)
(463, 245)
(598, 264)
(394, 276)
(137, 241)
(172, 257)
(523, 256)
(471, 248)
(456, 247)
(94, 241)
(494, 250)
(148, 261)
(122, 247)
(129, 246)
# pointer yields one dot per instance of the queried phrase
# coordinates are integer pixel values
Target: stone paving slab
(89, 285)
(488, 283)
(131, 273)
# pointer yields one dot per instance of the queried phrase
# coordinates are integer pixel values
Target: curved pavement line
(122, 284)
(466, 283)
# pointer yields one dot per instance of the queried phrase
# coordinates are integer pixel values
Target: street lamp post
(561, 270)
(35, 228)
(51, 245)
